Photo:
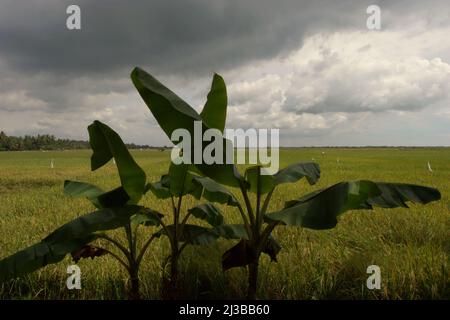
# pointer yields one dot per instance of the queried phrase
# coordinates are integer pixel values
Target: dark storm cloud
(54, 69)
(182, 37)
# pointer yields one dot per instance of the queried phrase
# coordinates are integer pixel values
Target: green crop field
(412, 247)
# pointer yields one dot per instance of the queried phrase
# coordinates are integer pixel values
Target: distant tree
(46, 142)
(3, 141)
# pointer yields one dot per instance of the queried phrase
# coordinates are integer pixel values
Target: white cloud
(364, 71)
(20, 101)
(260, 104)
(334, 81)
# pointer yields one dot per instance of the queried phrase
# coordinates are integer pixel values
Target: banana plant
(184, 180)
(117, 208)
(180, 182)
(318, 210)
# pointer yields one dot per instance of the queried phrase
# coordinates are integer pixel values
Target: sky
(311, 69)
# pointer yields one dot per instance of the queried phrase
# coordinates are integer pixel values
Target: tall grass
(412, 247)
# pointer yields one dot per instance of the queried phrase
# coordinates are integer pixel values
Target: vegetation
(317, 210)
(184, 181)
(116, 209)
(411, 246)
(47, 142)
(124, 207)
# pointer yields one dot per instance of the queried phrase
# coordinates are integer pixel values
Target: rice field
(411, 247)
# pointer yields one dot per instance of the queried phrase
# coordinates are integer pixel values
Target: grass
(412, 247)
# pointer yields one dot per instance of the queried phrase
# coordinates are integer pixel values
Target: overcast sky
(310, 68)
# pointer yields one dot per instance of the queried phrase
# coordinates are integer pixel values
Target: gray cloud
(182, 37)
(57, 81)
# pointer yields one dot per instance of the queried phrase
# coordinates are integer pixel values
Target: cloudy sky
(310, 68)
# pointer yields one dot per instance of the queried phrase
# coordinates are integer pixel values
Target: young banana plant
(317, 210)
(179, 183)
(117, 208)
(188, 180)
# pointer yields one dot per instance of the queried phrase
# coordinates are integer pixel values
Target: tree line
(47, 142)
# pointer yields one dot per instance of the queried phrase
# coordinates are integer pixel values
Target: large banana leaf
(38, 256)
(194, 185)
(64, 240)
(81, 189)
(178, 182)
(292, 173)
(106, 144)
(180, 179)
(171, 113)
(100, 199)
(147, 217)
(214, 113)
(114, 198)
(397, 194)
(214, 192)
(208, 212)
(296, 171)
(320, 209)
(100, 220)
